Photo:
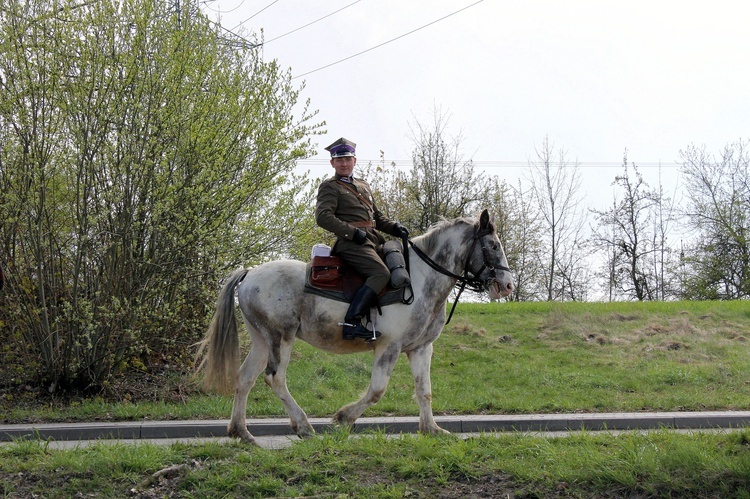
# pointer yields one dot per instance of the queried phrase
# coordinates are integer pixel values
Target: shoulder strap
(364, 200)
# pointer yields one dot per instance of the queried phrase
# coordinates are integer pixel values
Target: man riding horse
(346, 208)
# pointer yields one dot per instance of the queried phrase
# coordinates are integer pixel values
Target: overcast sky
(596, 77)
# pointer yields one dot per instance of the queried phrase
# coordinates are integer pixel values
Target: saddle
(330, 277)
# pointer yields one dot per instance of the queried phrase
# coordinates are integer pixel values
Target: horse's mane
(429, 240)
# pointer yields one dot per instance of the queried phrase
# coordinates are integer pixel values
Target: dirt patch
(500, 485)
(466, 329)
(678, 326)
(675, 345)
(169, 483)
(624, 317)
(596, 338)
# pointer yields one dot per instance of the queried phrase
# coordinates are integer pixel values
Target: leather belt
(363, 223)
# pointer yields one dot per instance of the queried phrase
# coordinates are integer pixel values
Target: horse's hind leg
(254, 364)
(277, 382)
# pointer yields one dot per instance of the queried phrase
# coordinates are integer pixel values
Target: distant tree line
(561, 249)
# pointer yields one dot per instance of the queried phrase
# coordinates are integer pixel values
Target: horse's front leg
(382, 368)
(420, 360)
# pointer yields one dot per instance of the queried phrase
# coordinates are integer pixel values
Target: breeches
(367, 262)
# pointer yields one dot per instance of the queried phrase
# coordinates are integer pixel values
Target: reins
(435, 266)
(473, 282)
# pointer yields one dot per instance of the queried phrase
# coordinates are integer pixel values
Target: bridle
(470, 279)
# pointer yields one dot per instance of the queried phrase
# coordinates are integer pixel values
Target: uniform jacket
(337, 206)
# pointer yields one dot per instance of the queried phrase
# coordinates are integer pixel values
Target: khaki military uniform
(342, 208)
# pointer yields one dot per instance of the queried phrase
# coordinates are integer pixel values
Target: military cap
(342, 147)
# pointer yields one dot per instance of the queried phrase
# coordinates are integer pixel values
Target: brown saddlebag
(325, 272)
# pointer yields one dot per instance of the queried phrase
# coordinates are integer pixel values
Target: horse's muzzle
(499, 289)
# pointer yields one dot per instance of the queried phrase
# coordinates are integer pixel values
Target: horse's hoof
(246, 440)
(341, 420)
(436, 430)
(242, 435)
(306, 431)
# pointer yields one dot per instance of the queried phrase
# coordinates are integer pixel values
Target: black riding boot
(360, 305)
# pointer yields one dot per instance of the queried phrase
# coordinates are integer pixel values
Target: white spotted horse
(277, 311)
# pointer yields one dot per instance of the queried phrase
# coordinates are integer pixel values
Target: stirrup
(359, 331)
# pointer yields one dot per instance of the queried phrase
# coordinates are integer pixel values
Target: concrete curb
(455, 424)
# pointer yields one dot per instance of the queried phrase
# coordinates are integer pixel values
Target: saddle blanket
(329, 277)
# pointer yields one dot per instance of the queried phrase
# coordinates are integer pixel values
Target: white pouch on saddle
(320, 250)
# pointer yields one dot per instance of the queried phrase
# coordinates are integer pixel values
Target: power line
(219, 11)
(311, 23)
(261, 10)
(498, 164)
(387, 42)
(243, 42)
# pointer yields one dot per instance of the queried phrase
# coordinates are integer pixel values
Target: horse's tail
(219, 352)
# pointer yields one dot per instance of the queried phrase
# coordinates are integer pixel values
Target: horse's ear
(484, 220)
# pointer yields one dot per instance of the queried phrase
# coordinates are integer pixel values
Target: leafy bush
(136, 152)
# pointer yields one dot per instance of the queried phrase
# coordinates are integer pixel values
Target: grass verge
(656, 464)
(493, 358)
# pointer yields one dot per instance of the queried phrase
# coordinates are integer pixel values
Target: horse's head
(487, 262)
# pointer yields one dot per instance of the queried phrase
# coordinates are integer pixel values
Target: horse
(276, 311)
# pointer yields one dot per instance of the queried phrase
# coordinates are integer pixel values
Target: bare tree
(442, 183)
(665, 258)
(554, 185)
(519, 228)
(389, 187)
(626, 230)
